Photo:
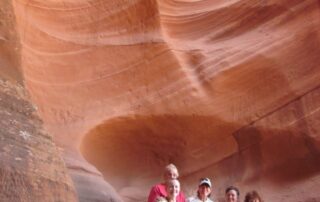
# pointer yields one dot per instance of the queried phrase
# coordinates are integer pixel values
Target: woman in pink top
(173, 190)
(159, 190)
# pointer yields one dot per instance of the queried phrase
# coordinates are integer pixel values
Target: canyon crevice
(224, 89)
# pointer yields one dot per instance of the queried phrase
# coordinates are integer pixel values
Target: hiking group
(169, 190)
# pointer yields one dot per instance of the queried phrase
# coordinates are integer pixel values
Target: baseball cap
(205, 181)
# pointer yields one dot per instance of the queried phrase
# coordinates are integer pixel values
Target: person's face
(204, 190)
(173, 189)
(171, 175)
(254, 200)
(232, 196)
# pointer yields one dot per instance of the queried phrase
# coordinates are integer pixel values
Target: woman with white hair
(160, 190)
(173, 190)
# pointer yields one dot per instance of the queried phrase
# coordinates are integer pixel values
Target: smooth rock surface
(10, 68)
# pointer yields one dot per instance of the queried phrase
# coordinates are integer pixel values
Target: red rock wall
(9, 44)
(226, 89)
(31, 167)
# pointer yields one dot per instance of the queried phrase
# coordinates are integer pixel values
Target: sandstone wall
(31, 168)
(225, 89)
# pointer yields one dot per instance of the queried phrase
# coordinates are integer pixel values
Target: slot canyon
(98, 96)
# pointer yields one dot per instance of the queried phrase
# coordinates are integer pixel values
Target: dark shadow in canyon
(131, 151)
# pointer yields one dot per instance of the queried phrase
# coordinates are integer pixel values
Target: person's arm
(153, 194)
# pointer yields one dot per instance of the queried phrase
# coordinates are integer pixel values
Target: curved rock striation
(225, 89)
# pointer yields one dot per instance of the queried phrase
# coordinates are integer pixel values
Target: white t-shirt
(196, 199)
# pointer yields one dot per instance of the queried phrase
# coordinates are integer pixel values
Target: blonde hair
(172, 182)
(171, 167)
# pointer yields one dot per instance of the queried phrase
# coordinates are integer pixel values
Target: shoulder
(181, 195)
(159, 190)
(192, 199)
(158, 187)
(156, 191)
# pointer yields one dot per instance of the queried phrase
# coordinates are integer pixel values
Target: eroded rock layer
(225, 89)
(31, 168)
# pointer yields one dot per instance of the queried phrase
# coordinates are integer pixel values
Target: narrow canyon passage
(224, 89)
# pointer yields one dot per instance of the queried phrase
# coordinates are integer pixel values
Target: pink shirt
(160, 190)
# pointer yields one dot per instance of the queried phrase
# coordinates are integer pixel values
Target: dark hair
(252, 195)
(233, 188)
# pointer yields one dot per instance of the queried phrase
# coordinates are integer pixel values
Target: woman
(204, 191)
(232, 194)
(173, 190)
(252, 196)
(160, 190)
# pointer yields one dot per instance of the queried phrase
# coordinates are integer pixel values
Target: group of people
(169, 190)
